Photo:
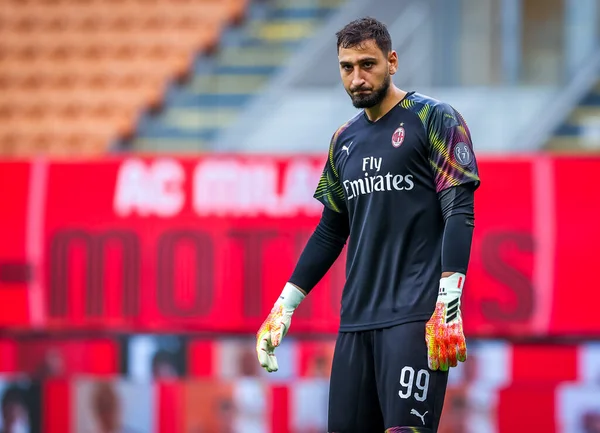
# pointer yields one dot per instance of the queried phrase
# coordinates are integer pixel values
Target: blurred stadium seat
(75, 74)
(221, 86)
(580, 131)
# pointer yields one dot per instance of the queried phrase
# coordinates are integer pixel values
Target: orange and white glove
(276, 326)
(446, 344)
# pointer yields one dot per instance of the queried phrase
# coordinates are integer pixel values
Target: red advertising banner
(486, 394)
(206, 244)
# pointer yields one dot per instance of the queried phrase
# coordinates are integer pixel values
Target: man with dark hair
(399, 182)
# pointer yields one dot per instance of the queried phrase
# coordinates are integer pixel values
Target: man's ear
(393, 62)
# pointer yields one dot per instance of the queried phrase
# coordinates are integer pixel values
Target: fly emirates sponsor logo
(375, 181)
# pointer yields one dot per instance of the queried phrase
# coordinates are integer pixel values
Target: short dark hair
(364, 29)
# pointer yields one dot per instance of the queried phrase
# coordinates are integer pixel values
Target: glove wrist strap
(290, 297)
(451, 287)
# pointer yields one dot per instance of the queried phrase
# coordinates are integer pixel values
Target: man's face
(366, 73)
(13, 413)
(164, 370)
(107, 407)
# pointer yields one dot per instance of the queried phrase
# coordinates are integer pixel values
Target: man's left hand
(446, 344)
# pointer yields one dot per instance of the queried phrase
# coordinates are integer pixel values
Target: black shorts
(380, 380)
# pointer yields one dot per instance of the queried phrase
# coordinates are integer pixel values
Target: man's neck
(393, 97)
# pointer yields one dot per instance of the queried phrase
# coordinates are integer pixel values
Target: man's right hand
(276, 326)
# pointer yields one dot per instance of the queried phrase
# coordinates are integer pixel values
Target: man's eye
(347, 67)
(367, 65)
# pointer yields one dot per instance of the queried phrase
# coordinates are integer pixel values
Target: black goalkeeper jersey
(385, 176)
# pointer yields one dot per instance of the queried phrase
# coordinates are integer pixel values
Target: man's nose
(357, 79)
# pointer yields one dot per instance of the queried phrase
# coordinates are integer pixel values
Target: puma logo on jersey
(347, 148)
(414, 412)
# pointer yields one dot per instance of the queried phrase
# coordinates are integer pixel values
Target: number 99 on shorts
(409, 382)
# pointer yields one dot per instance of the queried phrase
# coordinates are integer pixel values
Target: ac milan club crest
(398, 137)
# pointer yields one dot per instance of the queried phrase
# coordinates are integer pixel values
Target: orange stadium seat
(75, 74)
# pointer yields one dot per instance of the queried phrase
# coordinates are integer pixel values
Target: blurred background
(157, 165)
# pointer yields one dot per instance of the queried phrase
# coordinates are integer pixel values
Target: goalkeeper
(399, 183)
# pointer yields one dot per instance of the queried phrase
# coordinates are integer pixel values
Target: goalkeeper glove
(444, 335)
(276, 326)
